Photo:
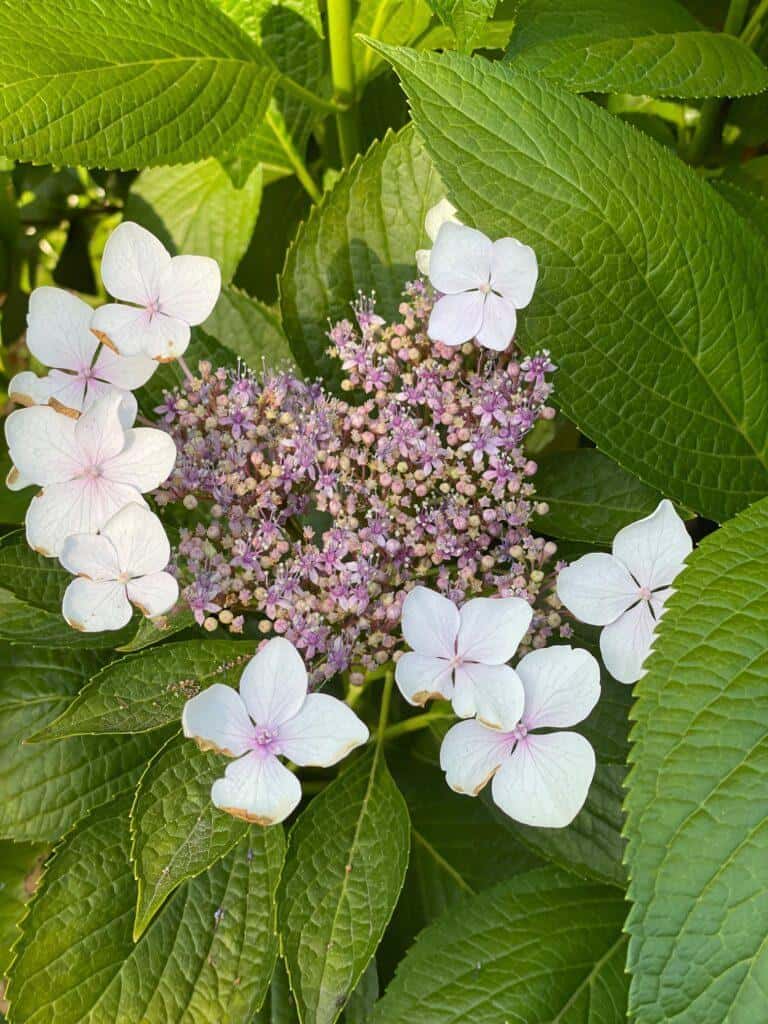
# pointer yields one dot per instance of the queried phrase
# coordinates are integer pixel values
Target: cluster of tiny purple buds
(318, 515)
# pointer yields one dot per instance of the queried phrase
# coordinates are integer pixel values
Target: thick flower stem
(386, 698)
(414, 724)
(343, 76)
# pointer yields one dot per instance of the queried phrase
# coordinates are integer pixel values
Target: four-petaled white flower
(168, 294)
(484, 283)
(538, 778)
(89, 468)
(460, 655)
(119, 566)
(626, 591)
(441, 213)
(272, 716)
(59, 335)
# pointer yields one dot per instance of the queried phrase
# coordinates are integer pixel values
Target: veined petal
(165, 338)
(92, 606)
(274, 683)
(470, 755)
(430, 623)
(126, 372)
(461, 259)
(139, 539)
(126, 411)
(124, 327)
(90, 555)
(499, 323)
(132, 263)
(441, 213)
(146, 460)
(189, 288)
(99, 433)
(546, 779)
(257, 789)
(562, 686)
(26, 388)
(514, 271)
(76, 506)
(66, 392)
(456, 318)
(596, 588)
(59, 329)
(154, 594)
(420, 678)
(217, 719)
(492, 627)
(322, 733)
(41, 443)
(463, 700)
(654, 549)
(626, 643)
(498, 694)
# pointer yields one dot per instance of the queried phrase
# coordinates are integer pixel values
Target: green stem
(333, 106)
(386, 698)
(294, 158)
(414, 724)
(343, 76)
(754, 26)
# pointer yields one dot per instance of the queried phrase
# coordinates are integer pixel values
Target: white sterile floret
(119, 566)
(89, 468)
(168, 295)
(627, 590)
(483, 283)
(271, 716)
(439, 214)
(461, 655)
(538, 778)
(59, 335)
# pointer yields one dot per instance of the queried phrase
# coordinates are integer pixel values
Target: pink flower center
(645, 594)
(519, 732)
(153, 308)
(265, 741)
(456, 661)
(485, 288)
(92, 472)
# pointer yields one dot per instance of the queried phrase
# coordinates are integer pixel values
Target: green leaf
(362, 236)
(637, 301)
(250, 14)
(590, 497)
(37, 581)
(752, 207)
(250, 329)
(696, 806)
(207, 958)
(177, 831)
(395, 22)
(153, 631)
(19, 867)
(195, 209)
(347, 857)
(133, 85)
(466, 18)
(540, 948)
(46, 789)
(682, 64)
(149, 690)
(13, 504)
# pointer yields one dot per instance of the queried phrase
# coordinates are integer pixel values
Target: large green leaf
(752, 207)
(541, 948)
(46, 789)
(19, 870)
(651, 294)
(207, 959)
(590, 497)
(149, 690)
(177, 831)
(363, 236)
(466, 19)
(250, 329)
(698, 834)
(346, 862)
(195, 209)
(37, 581)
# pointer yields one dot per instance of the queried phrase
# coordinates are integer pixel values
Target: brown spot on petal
(64, 409)
(165, 359)
(13, 476)
(207, 745)
(106, 341)
(423, 696)
(254, 819)
(485, 781)
(20, 398)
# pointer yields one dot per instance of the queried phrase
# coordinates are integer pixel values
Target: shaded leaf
(19, 868)
(250, 329)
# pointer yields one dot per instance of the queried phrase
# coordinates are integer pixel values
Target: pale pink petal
(41, 443)
(133, 263)
(139, 540)
(420, 678)
(189, 288)
(561, 684)
(218, 720)
(26, 388)
(154, 594)
(546, 780)
(626, 643)
(441, 213)
(59, 329)
(470, 754)
(654, 549)
(463, 700)
(499, 323)
(514, 271)
(596, 588)
(124, 327)
(166, 338)
(274, 683)
(430, 623)
(258, 789)
(422, 261)
(456, 318)
(127, 410)
(76, 506)
(91, 606)
(99, 433)
(66, 392)
(146, 460)
(126, 372)
(498, 694)
(492, 628)
(461, 259)
(322, 733)
(90, 555)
